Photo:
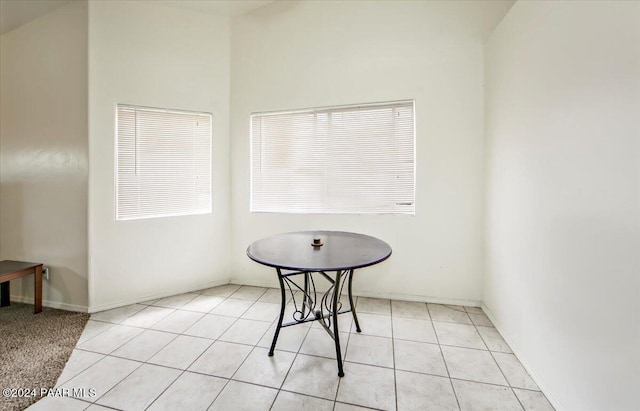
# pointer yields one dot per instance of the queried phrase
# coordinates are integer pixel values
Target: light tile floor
(207, 350)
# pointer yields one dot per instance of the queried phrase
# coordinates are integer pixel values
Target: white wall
(43, 153)
(144, 53)
(307, 54)
(563, 197)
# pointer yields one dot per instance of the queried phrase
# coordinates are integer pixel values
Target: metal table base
(301, 258)
(325, 309)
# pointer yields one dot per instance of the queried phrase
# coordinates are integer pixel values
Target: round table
(333, 255)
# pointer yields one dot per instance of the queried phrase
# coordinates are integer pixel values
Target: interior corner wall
(43, 153)
(291, 55)
(563, 197)
(149, 54)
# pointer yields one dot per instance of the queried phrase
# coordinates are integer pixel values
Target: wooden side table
(10, 270)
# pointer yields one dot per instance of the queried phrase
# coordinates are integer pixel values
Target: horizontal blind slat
(163, 162)
(343, 159)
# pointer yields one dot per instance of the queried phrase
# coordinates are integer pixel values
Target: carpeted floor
(34, 349)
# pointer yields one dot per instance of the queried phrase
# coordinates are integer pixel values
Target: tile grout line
(255, 346)
(196, 359)
(271, 323)
(111, 352)
(56, 385)
(475, 327)
(393, 356)
(335, 398)
(114, 385)
(292, 362)
(455, 394)
(228, 380)
(187, 367)
(159, 365)
(165, 389)
(109, 355)
(81, 372)
(205, 350)
(248, 355)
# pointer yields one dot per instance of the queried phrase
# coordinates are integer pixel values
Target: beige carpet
(34, 349)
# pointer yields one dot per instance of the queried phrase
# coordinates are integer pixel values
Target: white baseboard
(553, 399)
(361, 293)
(419, 298)
(377, 294)
(135, 300)
(51, 304)
(274, 284)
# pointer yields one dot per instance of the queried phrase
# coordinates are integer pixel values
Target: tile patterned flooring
(207, 350)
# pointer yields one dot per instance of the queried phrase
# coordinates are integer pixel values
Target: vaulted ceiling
(14, 13)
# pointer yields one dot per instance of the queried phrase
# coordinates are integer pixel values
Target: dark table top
(10, 266)
(340, 251)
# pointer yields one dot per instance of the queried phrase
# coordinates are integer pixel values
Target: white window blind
(163, 163)
(348, 159)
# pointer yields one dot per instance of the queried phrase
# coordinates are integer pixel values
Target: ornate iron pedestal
(325, 311)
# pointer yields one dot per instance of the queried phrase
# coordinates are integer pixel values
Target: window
(349, 159)
(163, 163)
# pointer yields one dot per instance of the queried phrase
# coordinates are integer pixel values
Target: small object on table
(10, 270)
(291, 256)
